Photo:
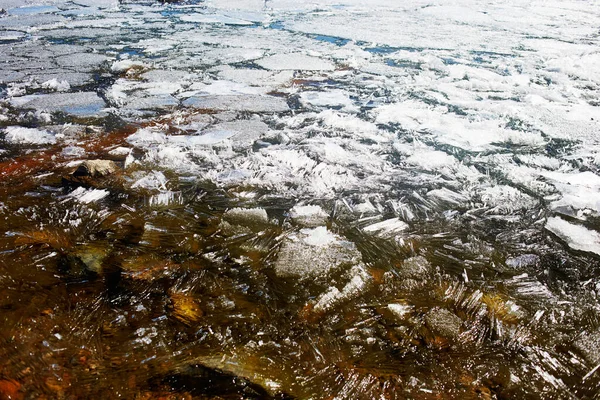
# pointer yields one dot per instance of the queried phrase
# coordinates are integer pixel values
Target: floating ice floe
(214, 19)
(295, 61)
(249, 103)
(80, 104)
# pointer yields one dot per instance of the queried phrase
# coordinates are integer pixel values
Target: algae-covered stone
(185, 307)
(92, 256)
(248, 217)
(96, 168)
(415, 268)
(443, 323)
(588, 345)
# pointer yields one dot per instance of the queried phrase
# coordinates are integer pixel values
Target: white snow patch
(55, 84)
(20, 135)
(576, 236)
(318, 237)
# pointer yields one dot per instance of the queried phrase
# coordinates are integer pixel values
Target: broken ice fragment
(313, 253)
(359, 282)
(576, 236)
(588, 344)
(399, 310)
(87, 196)
(248, 103)
(309, 216)
(387, 228)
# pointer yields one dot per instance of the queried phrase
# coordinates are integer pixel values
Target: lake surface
(307, 200)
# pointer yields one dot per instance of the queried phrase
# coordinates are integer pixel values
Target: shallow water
(303, 200)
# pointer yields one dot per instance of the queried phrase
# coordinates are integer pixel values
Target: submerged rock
(185, 307)
(588, 345)
(92, 256)
(246, 216)
(314, 253)
(416, 268)
(443, 323)
(96, 168)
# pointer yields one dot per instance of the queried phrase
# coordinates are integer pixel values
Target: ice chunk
(399, 310)
(309, 216)
(506, 199)
(387, 228)
(318, 236)
(249, 103)
(525, 260)
(155, 180)
(588, 344)
(20, 135)
(28, 10)
(55, 84)
(87, 196)
(576, 236)
(73, 151)
(359, 282)
(165, 198)
(125, 65)
(295, 61)
(223, 88)
(416, 268)
(82, 61)
(313, 253)
(330, 98)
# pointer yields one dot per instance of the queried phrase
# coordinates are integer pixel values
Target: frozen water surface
(305, 199)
